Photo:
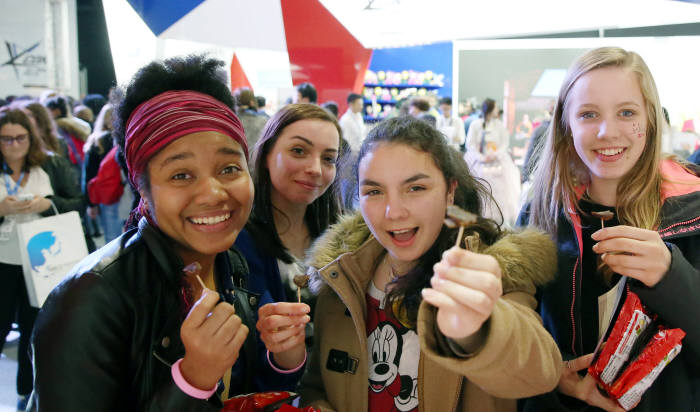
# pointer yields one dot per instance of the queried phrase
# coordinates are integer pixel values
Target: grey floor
(8, 374)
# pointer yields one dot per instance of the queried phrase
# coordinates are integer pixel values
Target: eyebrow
(419, 176)
(310, 143)
(186, 155)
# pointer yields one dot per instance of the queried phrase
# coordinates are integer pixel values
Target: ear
(451, 192)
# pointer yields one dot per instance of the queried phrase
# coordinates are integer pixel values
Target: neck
(16, 166)
(603, 192)
(207, 272)
(388, 270)
(288, 216)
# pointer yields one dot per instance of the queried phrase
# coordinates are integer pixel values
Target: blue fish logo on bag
(42, 248)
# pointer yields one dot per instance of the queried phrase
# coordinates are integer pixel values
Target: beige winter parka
(518, 358)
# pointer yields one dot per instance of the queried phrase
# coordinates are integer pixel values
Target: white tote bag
(50, 247)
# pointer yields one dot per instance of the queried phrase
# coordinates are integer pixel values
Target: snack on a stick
(604, 216)
(456, 216)
(301, 281)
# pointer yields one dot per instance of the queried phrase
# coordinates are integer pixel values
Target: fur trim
(348, 234)
(74, 127)
(526, 258)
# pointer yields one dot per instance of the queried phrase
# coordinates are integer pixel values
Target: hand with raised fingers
(213, 335)
(465, 288)
(584, 388)
(282, 329)
(634, 252)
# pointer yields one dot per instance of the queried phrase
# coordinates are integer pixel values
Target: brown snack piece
(301, 281)
(604, 216)
(456, 216)
(192, 269)
(460, 216)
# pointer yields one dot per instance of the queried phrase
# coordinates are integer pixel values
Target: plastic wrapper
(630, 324)
(643, 371)
(272, 401)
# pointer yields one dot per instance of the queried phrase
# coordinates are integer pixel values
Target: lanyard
(13, 191)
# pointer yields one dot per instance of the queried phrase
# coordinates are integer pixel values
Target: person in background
(488, 158)
(148, 336)
(452, 127)
(46, 127)
(331, 107)
(306, 93)
(94, 101)
(247, 111)
(45, 178)
(294, 172)
(352, 122)
(419, 108)
(261, 106)
(406, 320)
(84, 113)
(72, 130)
(97, 146)
(603, 153)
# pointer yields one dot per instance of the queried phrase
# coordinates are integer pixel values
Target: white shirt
(453, 129)
(353, 127)
(496, 135)
(38, 183)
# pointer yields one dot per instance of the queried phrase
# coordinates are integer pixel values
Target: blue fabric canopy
(161, 14)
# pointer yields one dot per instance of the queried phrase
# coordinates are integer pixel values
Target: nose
(211, 191)
(608, 128)
(395, 209)
(313, 167)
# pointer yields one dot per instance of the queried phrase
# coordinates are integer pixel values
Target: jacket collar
(161, 249)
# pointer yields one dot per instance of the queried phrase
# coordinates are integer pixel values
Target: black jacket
(108, 334)
(676, 299)
(66, 187)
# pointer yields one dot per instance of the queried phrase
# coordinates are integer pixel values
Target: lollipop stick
(459, 235)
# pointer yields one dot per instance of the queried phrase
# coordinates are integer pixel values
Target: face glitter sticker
(637, 130)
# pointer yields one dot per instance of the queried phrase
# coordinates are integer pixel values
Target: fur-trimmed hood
(526, 258)
(75, 127)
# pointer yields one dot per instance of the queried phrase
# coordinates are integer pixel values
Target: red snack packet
(643, 371)
(258, 402)
(630, 323)
(290, 408)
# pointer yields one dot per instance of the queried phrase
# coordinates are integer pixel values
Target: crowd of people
(212, 211)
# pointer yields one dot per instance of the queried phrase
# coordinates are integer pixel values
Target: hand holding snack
(212, 335)
(465, 288)
(584, 388)
(634, 252)
(282, 329)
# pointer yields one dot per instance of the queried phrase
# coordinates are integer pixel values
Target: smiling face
(404, 206)
(607, 115)
(200, 193)
(302, 162)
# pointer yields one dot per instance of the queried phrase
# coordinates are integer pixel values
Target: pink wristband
(272, 365)
(186, 387)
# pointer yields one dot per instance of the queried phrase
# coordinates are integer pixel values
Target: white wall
(42, 35)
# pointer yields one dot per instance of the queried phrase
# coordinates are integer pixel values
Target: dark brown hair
(321, 213)
(16, 115)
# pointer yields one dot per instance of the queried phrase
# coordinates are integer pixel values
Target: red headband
(173, 114)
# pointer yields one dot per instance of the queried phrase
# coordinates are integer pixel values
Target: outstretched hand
(465, 288)
(633, 252)
(584, 388)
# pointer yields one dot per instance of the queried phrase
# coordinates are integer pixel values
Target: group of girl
(410, 314)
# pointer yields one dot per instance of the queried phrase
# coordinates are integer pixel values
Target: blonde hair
(103, 124)
(560, 171)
